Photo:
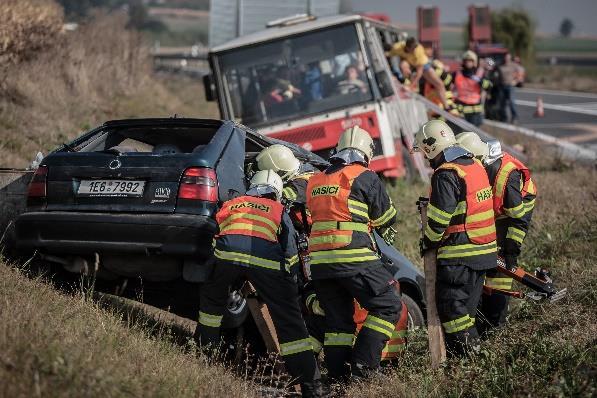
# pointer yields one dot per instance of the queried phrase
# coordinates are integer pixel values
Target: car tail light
(198, 183)
(37, 186)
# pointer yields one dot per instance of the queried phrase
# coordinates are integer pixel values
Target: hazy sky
(547, 13)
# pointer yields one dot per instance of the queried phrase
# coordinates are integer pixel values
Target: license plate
(111, 188)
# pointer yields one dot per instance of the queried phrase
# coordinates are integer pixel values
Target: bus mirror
(384, 82)
(209, 85)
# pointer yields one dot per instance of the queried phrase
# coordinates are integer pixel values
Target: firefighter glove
(388, 235)
(511, 261)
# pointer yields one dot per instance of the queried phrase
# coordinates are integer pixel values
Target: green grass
(561, 44)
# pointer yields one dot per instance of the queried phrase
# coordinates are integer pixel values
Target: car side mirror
(209, 85)
(384, 82)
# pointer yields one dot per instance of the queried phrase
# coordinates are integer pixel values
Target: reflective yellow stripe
(437, 215)
(460, 209)
(499, 283)
(338, 339)
(392, 348)
(358, 204)
(212, 321)
(289, 193)
(502, 178)
(432, 235)
(531, 187)
(391, 212)
(515, 234)
(520, 210)
(475, 233)
(486, 215)
(343, 256)
(296, 346)
(249, 227)
(247, 259)
(341, 226)
(458, 324)
(451, 166)
(255, 217)
(466, 250)
(329, 239)
(379, 325)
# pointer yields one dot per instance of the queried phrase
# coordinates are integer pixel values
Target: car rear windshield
(159, 140)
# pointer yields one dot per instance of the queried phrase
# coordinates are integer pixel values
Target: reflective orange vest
(396, 344)
(477, 209)
(509, 164)
(332, 211)
(468, 90)
(250, 216)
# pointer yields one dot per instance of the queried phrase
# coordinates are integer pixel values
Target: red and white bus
(306, 80)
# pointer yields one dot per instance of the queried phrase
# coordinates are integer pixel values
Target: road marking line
(557, 92)
(562, 108)
(585, 105)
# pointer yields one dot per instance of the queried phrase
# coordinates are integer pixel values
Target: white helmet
(280, 159)
(433, 137)
(266, 182)
(356, 138)
(470, 55)
(472, 143)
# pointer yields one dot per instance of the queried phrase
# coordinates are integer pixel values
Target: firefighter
(461, 228)
(295, 176)
(514, 195)
(413, 53)
(469, 88)
(429, 91)
(346, 201)
(256, 242)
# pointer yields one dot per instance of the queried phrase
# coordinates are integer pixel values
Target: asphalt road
(571, 116)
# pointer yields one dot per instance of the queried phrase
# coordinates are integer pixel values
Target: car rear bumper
(184, 235)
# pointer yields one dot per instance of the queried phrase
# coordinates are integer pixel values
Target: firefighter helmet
(266, 182)
(470, 55)
(433, 137)
(280, 159)
(356, 138)
(472, 143)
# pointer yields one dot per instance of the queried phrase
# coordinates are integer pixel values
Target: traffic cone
(539, 110)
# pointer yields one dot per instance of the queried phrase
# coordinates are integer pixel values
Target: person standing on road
(461, 228)
(256, 241)
(508, 72)
(514, 194)
(346, 201)
(469, 88)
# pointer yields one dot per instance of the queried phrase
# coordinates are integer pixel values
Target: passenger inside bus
(296, 77)
(352, 83)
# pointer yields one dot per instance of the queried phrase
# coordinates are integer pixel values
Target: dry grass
(100, 72)
(65, 346)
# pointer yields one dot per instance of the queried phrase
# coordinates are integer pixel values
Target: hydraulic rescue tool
(541, 283)
(435, 333)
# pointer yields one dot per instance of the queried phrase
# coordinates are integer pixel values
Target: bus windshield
(295, 77)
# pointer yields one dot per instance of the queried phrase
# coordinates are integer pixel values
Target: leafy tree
(566, 27)
(515, 29)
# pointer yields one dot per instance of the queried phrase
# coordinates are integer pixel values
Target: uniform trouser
(458, 291)
(280, 294)
(474, 118)
(372, 290)
(494, 307)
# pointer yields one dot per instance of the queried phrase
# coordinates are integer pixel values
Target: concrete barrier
(13, 199)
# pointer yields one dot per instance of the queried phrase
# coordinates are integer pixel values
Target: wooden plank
(435, 333)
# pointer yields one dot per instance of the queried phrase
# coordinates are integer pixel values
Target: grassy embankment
(57, 345)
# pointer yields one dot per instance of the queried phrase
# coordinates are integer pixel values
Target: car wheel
(237, 311)
(415, 315)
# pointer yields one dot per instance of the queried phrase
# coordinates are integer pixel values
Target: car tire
(415, 314)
